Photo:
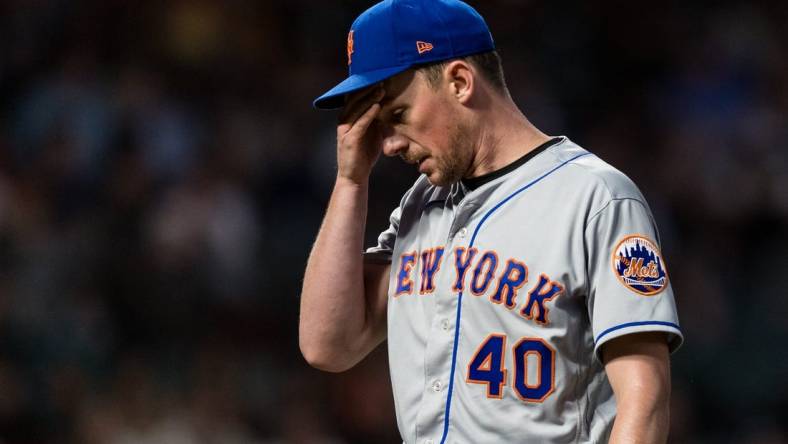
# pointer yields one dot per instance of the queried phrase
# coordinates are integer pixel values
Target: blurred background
(163, 175)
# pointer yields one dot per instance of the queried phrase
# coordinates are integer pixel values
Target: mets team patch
(639, 266)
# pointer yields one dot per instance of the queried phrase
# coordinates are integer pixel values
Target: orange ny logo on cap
(349, 47)
(423, 47)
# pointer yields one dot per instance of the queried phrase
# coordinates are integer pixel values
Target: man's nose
(394, 144)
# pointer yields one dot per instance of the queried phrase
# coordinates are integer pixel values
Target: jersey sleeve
(629, 287)
(381, 253)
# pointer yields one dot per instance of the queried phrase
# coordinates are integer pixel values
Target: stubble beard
(452, 166)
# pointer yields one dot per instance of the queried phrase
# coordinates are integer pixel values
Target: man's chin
(439, 180)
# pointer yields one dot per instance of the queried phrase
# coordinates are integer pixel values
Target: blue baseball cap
(394, 35)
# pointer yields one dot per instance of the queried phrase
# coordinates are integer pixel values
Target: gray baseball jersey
(500, 297)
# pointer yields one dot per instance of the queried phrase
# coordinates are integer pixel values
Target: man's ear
(459, 76)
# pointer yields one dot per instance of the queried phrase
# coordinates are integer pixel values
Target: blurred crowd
(163, 175)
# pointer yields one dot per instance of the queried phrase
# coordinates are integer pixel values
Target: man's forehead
(396, 87)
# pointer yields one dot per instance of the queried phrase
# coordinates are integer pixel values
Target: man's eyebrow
(386, 100)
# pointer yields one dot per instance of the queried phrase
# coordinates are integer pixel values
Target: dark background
(163, 175)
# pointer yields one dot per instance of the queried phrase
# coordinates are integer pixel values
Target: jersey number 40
(488, 367)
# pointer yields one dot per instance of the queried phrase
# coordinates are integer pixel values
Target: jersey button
(428, 441)
(437, 386)
(462, 233)
(445, 325)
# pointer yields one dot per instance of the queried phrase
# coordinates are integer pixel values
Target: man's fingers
(353, 99)
(359, 105)
(362, 124)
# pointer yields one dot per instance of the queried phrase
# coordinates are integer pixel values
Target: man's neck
(504, 136)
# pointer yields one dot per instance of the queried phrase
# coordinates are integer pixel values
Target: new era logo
(423, 47)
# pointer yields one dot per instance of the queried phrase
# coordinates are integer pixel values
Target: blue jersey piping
(447, 412)
(635, 324)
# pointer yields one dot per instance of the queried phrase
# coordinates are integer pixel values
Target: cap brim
(335, 97)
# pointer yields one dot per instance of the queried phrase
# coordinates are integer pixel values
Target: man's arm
(343, 300)
(638, 368)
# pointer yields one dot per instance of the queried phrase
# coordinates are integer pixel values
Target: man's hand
(358, 138)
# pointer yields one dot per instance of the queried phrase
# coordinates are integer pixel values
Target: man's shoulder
(588, 171)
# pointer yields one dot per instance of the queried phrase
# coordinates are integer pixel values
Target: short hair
(488, 64)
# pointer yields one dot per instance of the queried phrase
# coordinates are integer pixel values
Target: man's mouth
(414, 160)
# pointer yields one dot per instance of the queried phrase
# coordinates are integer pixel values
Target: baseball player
(520, 283)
